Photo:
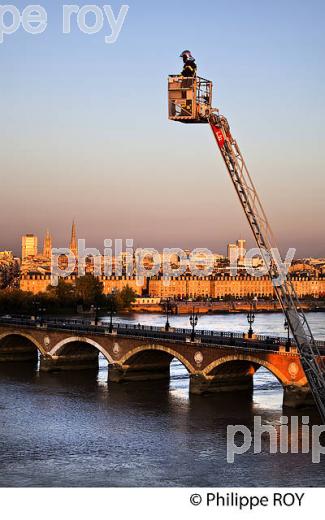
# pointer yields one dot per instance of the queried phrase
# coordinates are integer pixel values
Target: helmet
(187, 54)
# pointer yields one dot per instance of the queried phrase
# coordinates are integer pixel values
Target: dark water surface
(74, 429)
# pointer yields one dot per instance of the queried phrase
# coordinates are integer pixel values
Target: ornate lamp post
(111, 314)
(35, 306)
(111, 311)
(167, 309)
(95, 309)
(193, 322)
(41, 311)
(287, 328)
(250, 319)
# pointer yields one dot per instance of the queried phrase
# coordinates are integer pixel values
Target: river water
(75, 429)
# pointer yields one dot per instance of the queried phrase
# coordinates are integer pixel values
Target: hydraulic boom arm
(311, 360)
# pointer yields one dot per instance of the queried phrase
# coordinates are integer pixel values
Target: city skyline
(130, 172)
(37, 246)
(46, 239)
(192, 274)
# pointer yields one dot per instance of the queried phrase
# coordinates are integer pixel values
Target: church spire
(73, 241)
(47, 247)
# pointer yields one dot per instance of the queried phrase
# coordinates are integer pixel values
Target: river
(75, 429)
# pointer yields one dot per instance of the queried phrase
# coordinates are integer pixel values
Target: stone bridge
(224, 365)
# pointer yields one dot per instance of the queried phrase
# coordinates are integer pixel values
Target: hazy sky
(85, 133)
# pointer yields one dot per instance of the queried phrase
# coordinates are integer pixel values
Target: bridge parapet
(205, 336)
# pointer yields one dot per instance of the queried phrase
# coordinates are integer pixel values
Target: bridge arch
(59, 347)
(159, 349)
(281, 377)
(19, 334)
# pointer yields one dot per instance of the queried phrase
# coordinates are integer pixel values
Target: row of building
(186, 286)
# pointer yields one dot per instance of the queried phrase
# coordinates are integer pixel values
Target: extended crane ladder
(311, 360)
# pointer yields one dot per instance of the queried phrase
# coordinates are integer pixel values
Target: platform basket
(189, 99)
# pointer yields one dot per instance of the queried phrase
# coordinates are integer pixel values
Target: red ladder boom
(310, 357)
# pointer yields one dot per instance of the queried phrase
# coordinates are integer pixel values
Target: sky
(85, 133)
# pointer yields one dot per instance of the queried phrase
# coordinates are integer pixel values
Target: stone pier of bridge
(212, 368)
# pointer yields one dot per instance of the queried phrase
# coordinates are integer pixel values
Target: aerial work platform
(189, 99)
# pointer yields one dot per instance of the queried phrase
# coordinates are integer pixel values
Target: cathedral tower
(47, 247)
(73, 242)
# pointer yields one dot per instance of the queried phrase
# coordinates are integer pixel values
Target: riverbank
(223, 307)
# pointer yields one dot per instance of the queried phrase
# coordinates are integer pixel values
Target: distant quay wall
(224, 307)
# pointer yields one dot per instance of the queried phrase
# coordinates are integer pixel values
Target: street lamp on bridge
(95, 308)
(287, 328)
(39, 311)
(35, 304)
(193, 321)
(42, 311)
(250, 319)
(112, 309)
(111, 314)
(167, 309)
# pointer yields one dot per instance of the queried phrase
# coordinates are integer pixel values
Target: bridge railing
(151, 331)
